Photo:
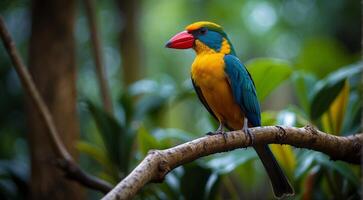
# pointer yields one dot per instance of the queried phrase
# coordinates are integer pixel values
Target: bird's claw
(224, 136)
(219, 132)
(250, 136)
(211, 133)
(248, 133)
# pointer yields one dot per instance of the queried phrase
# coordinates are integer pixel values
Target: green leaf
(326, 90)
(171, 185)
(332, 120)
(127, 105)
(284, 154)
(268, 118)
(324, 95)
(110, 131)
(342, 168)
(212, 185)
(193, 182)
(116, 138)
(301, 117)
(352, 121)
(172, 134)
(309, 159)
(226, 163)
(268, 74)
(144, 86)
(149, 105)
(303, 82)
(305, 162)
(95, 153)
(146, 141)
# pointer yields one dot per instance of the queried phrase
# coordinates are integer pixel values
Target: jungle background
(304, 56)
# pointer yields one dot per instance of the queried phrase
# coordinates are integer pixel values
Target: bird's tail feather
(280, 184)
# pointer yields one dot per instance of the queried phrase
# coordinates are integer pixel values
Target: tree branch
(159, 162)
(28, 84)
(97, 53)
(66, 163)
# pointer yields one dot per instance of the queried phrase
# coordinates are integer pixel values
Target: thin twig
(97, 53)
(158, 163)
(29, 86)
(66, 162)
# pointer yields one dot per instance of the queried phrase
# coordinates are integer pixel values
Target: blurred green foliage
(310, 46)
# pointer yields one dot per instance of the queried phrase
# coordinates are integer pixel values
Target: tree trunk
(129, 40)
(52, 65)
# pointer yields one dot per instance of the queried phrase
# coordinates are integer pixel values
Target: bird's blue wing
(243, 89)
(244, 92)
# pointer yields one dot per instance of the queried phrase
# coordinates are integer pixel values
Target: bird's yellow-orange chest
(208, 73)
(208, 69)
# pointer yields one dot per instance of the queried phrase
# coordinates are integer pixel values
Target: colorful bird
(227, 90)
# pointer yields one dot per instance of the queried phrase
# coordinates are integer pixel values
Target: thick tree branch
(66, 162)
(159, 162)
(97, 53)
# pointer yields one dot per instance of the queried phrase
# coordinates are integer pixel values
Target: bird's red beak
(182, 40)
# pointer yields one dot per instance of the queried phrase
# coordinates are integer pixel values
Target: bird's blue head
(203, 37)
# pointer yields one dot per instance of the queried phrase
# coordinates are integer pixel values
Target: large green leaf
(332, 120)
(171, 184)
(323, 97)
(126, 102)
(97, 154)
(326, 90)
(154, 95)
(211, 186)
(305, 162)
(146, 141)
(116, 137)
(303, 82)
(110, 130)
(342, 168)
(309, 159)
(150, 105)
(226, 163)
(172, 134)
(284, 154)
(352, 121)
(268, 118)
(196, 182)
(268, 74)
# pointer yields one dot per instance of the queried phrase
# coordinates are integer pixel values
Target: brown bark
(158, 163)
(52, 66)
(65, 162)
(129, 41)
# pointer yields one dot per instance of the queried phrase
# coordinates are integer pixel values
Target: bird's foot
(251, 137)
(219, 131)
(211, 133)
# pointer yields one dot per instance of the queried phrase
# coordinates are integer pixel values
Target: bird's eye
(203, 31)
